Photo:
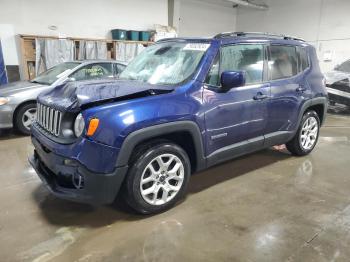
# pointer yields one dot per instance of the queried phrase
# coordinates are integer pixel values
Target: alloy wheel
(309, 132)
(162, 179)
(28, 117)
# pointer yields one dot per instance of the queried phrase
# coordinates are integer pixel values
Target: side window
(93, 71)
(248, 58)
(213, 78)
(303, 59)
(283, 62)
(119, 68)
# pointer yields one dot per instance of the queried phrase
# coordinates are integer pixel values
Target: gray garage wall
(84, 18)
(78, 18)
(324, 23)
(203, 18)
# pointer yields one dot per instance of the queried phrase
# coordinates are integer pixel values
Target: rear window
(303, 59)
(283, 62)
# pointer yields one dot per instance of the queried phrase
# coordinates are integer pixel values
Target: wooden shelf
(86, 39)
(27, 44)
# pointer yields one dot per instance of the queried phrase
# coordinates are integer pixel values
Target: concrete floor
(267, 206)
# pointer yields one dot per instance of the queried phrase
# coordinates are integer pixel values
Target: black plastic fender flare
(313, 102)
(138, 136)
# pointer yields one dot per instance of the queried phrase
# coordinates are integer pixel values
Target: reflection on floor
(268, 206)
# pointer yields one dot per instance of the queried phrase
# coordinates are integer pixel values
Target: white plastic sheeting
(50, 52)
(92, 50)
(164, 32)
(127, 51)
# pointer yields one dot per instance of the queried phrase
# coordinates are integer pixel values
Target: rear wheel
(158, 177)
(306, 137)
(24, 118)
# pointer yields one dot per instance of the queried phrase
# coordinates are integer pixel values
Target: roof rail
(264, 34)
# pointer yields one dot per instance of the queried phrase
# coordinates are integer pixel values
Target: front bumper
(68, 179)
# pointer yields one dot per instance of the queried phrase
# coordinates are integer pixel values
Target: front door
(237, 117)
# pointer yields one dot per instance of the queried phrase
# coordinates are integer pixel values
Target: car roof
(242, 37)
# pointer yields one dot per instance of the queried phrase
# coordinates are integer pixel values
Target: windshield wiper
(37, 82)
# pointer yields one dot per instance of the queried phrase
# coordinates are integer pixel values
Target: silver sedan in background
(18, 99)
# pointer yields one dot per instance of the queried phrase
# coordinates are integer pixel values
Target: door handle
(260, 96)
(301, 89)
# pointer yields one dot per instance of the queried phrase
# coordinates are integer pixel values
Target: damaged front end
(73, 164)
(81, 126)
(73, 96)
(58, 108)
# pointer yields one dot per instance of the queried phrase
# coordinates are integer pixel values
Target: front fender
(124, 124)
(119, 119)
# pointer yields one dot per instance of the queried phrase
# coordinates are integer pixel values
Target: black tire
(142, 157)
(294, 146)
(18, 118)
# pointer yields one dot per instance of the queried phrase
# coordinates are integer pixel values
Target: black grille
(49, 119)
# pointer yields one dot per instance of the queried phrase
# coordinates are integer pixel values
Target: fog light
(69, 162)
(78, 181)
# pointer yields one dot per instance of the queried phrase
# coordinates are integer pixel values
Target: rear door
(287, 65)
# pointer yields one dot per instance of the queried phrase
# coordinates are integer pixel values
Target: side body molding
(229, 152)
(133, 139)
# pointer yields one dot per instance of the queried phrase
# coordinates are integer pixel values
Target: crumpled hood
(73, 95)
(336, 76)
(11, 88)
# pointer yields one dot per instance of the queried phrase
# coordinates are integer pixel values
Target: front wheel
(24, 118)
(158, 177)
(306, 137)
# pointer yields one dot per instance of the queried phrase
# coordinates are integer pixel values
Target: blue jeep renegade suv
(181, 106)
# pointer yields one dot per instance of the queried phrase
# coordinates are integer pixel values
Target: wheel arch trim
(144, 134)
(312, 102)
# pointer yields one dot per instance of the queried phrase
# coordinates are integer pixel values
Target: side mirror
(232, 79)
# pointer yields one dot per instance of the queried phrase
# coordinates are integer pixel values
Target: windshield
(51, 75)
(165, 63)
(344, 67)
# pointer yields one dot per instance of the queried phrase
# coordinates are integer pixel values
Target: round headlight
(79, 125)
